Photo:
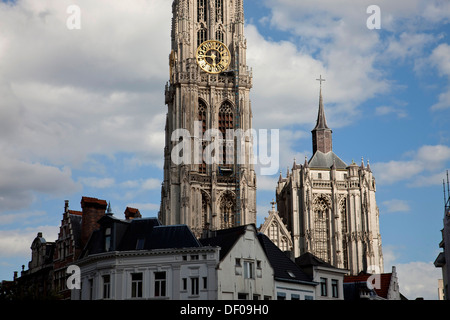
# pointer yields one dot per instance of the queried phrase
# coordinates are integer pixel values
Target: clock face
(213, 56)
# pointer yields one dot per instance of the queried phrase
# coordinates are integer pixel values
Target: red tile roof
(383, 288)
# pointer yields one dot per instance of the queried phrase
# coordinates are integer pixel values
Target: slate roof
(326, 161)
(225, 239)
(140, 234)
(308, 259)
(284, 268)
(148, 234)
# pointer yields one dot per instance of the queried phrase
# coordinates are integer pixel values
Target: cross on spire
(321, 80)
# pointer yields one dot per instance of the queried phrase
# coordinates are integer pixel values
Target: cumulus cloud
(16, 243)
(439, 59)
(418, 279)
(68, 95)
(422, 165)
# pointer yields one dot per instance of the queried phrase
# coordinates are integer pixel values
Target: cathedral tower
(208, 97)
(329, 208)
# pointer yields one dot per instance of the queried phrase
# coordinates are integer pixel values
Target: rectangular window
(242, 296)
(107, 239)
(248, 270)
(136, 285)
(106, 286)
(323, 287)
(184, 283)
(295, 296)
(281, 296)
(194, 286)
(205, 283)
(334, 288)
(160, 284)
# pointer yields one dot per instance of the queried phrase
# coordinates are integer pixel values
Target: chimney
(132, 213)
(93, 209)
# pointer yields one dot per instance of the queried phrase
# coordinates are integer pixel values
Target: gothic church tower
(329, 207)
(208, 92)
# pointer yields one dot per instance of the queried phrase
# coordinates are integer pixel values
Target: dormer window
(107, 239)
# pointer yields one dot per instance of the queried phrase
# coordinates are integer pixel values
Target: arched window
(220, 35)
(226, 123)
(201, 36)
(321, 230)
(202, 118)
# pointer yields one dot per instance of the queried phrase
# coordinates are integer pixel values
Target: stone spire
(322, 140)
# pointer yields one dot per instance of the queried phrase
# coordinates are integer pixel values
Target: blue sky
(82, 111)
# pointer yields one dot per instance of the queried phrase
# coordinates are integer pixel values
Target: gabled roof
(225, 239)
(326, 160)
(284, 268)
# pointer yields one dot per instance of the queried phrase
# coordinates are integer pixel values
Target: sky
(82, 111)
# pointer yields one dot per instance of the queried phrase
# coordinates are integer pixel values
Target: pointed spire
(322, 135)
(321, 119)
(108, 209)
(306, 165)
(280, 179)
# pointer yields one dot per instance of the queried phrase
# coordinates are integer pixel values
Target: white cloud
(418, 279)
(100, 183)
(387, 110)
(426, 160)
(21, 181)
(17, 243)
(23, 217)
(68, 95)
(396, 205)
(415, 278)
(439, 59)
(151, 184)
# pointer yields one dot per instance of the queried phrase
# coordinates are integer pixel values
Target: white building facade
(164, 274)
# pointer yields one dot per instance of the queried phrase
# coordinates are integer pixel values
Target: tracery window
(201, 36)
(226, 123)
(321, 230)
(202, 118)
(343, 215)
(201, 11)
(219, 11)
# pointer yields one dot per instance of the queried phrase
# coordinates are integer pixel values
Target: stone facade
(330, 208)
(218, 195)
